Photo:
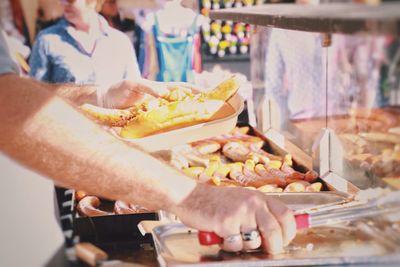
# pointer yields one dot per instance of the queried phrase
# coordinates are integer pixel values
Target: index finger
(189, 86)
(270, 231)
(284, 217)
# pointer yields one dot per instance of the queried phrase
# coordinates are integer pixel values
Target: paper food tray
(224, 121)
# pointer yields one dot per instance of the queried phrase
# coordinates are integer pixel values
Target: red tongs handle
(211, 238)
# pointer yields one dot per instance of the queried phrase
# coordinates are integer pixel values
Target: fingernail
(275, 251)
(276, 247)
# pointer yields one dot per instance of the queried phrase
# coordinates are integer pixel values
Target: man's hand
(233, 212)
(128, 93)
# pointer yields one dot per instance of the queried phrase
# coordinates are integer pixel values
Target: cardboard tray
(222, 122)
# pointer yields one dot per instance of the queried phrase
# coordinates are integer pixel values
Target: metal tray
(116, 231)
(113, 228)
(312, 201)
(177, 245)
(360, 242)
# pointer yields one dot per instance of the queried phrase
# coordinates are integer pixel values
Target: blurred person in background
(17, 36)
(49, 13)
(308, 79)
(13, 22)
(110, 11)
(83, 49)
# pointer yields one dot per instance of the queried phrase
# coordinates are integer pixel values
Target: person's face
(110, 8)
(78, 11)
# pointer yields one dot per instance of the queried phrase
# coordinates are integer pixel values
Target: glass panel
(364, 90)
(295, 80)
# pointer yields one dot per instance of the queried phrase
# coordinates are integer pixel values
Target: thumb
(123, 95)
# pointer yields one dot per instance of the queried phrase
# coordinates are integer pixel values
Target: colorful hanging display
(225, 38)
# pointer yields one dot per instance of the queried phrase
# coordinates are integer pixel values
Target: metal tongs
(347, 212)
(387, 204)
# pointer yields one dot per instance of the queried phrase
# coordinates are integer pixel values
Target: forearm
(77, 94)
(46, 134)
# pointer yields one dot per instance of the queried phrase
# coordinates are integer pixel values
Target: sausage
(229, 182)
(206, 146)
(237, 136)
(110, 117)
(291, 173)
(88, 206)
(121, 207)
(236, 151)
(258, 150)
(138, 208)
(256, 176)
(310, 176)
(270, 176)
(241, 151)
(79, 194)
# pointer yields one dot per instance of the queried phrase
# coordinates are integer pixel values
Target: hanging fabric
(19, 20)
(197, 64)
(175, 53)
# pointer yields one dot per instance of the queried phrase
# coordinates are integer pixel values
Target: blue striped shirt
(58, 56)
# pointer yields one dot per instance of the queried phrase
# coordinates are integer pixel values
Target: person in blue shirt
(83, 49)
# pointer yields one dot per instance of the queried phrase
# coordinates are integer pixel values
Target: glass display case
(331, 87)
